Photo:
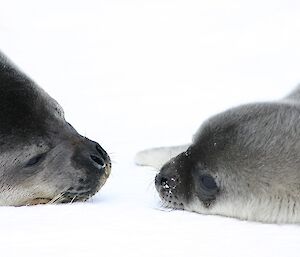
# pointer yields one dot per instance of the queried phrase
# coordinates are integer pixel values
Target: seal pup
(42, 157)
(242, 163)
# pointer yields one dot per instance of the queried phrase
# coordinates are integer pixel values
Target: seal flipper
(157, 157)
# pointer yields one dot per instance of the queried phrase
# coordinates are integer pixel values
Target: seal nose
(98, 157)
(90, 155)
(100, 150)
(97, 160)
(165, 182)
(160, 180)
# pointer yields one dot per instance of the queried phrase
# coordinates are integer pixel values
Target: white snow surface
(133, 74)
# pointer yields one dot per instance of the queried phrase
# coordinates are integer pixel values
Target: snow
(137, 74)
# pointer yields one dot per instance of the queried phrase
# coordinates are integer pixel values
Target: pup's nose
(164, 182)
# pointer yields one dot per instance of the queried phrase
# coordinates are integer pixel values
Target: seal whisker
(163, 209)
(73, 199)
(113, 161)
(56, 199)
(151, 185)
(112, 154)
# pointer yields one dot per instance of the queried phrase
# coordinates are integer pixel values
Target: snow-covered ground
(133, 74)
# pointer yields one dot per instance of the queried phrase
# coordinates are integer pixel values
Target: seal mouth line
(45, 200)
(38, 200)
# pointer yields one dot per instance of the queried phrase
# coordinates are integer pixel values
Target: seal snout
(95, 166)
(43, 159)
(166, 182)
(100, 158)
(167, 186)
(90, 156)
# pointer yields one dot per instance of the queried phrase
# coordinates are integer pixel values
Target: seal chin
(66, 197)
(71, 197)
(172, 204)
(79, 193)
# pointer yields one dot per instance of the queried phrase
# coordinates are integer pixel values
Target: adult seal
(242, 163)
(42, 157)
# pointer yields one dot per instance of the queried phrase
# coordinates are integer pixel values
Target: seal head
(242, 163)
(42, 157)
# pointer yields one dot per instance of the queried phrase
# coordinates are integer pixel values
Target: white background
(137, 74)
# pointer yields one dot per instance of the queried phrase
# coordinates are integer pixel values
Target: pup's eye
(35, 160)
(207, 189)
(208, 183)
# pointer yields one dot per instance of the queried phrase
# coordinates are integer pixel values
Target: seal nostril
(100, 149)
(163, 181)
(97, 160)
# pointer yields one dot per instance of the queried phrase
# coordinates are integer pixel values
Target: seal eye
(206, 189)
(208, 183)
(35, 160)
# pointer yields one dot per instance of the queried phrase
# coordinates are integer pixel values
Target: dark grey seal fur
(242, 163)
(42, 157)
